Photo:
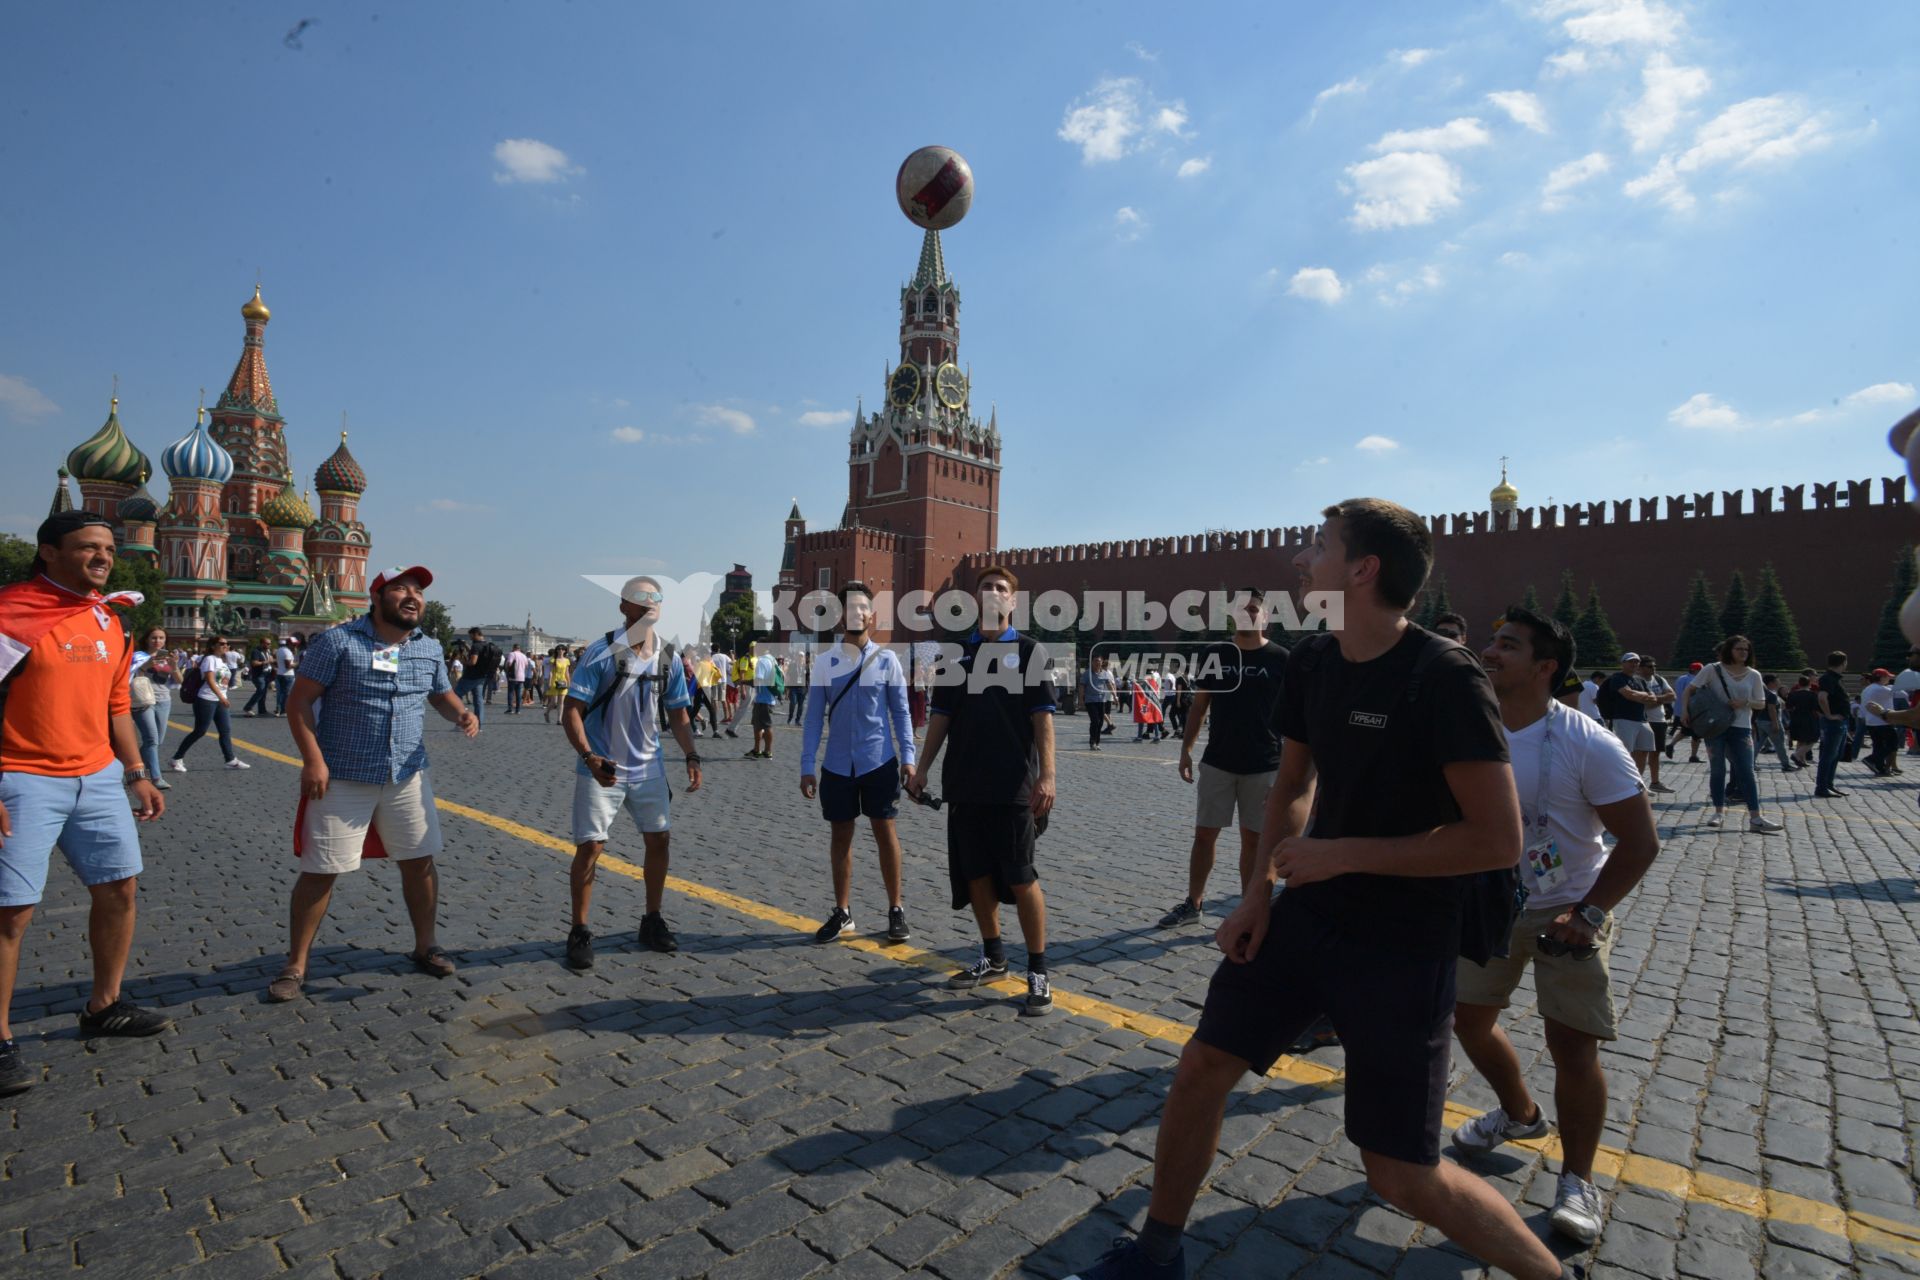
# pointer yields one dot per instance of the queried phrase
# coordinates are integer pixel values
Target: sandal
(434, 962)
(286, 987)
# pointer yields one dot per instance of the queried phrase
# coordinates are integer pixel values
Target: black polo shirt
(1243, 689)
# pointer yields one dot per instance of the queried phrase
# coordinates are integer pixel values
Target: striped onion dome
(285, 510)
(107, 454)
(340, 473)
(196, 456)
(139, 505)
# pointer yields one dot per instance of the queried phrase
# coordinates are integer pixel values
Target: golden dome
(256, 309)
(1504, 493)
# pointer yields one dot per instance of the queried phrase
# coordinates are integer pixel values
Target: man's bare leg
(1200, 862)
(311, 893)
(580, 877)
(1471, 1213)
(887, 836)
(840, 854)
(110, 930)
(420, 886)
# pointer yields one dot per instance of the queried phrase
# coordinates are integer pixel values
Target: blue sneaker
(1128, 1261)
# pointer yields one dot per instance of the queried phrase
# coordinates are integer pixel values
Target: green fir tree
(1889, 644)
(1734, 609)
(1436, 605)
(1700, 630)
(1776, 639)
(1593, 636)
(1530, 601)
(1566, 609)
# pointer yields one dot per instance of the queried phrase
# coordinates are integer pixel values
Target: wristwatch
(1594, 916)
(132, 776)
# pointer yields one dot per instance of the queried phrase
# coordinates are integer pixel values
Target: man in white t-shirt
(1876, 699)
(1590, 695)
(1577, 784)
(518, 667)
(283, 668)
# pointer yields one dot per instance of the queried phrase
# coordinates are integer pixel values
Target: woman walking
(1740, 685)
(150, 692)
(210, 708)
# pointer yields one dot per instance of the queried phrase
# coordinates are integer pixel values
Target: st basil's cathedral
(242, 552)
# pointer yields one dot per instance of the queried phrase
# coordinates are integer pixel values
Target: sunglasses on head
(1555, 947)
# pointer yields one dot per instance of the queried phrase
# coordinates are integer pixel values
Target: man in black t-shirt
(1624, 700)
(1836, 716)
(1402, 731)
(483, 666)
(1239, 683)
(993, 704)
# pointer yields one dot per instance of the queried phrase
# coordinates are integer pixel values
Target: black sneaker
(897, 930)
(1185, 913)
(123, 1018)
(655, 936)
(580, 948)
(981, 970)
(732, 734)
(840, 922)
(1128, 1261)
(1039, 996)
(15, 1076)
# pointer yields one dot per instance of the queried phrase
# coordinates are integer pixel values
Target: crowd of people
(1419, 823)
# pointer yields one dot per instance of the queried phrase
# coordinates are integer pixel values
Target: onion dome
(108, 455)
(255, 309)
(1504, 494)
(139, 505)
(286, 511)
(197, 456)
(340, 473)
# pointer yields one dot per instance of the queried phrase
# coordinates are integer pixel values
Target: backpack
(779, 682)
(1490, 901)
(190, 681)
(1709, 709)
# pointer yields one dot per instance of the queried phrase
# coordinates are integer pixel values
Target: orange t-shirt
(60, 700)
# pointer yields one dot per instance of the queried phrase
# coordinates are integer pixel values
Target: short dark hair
(1725, 652)
(1451, 619)
(1769, 678)
(848, 588)
(1548, 638)
(1836, 659)
(1256, 594)
(475, 631)
(997, 571)
(1397, 536)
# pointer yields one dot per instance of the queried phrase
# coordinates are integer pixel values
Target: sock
(1160, 1242)
(1036, 962)
(994, 950)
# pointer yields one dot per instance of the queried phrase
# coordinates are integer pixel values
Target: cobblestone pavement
(758, 1105)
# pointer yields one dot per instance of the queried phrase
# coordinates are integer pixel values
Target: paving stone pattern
(759, 1106)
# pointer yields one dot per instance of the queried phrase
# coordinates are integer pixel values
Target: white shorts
(1634, 735)
(1221, 792)
(337, 823)
(594, 806)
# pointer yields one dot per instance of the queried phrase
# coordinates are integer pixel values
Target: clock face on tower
(904, 387)
(952, 385)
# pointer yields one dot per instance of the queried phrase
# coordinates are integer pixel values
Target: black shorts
(1659, 728)
(762, 715)
(989, 841)
(1394, 1013)
(874, 794)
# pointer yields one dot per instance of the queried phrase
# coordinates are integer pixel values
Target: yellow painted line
(1624, 1167)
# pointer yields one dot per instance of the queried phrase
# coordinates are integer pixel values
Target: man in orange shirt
(69, 755)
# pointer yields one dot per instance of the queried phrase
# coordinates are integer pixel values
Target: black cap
(60, 524)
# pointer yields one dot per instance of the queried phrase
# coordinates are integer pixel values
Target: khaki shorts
(1222, 792)
(1574, 993)
(337, 823)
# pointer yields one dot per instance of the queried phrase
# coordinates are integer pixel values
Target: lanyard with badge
(1545, 869)
(387, 659)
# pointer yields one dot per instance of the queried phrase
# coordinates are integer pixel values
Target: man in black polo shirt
(1403, 733)
(1238, 681)
(1835, 717)
(994, 703)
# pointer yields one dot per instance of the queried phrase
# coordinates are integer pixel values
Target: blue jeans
(152, 724)
(472, 690)
(282, 686)
(261, 683)
(208, 713)
(1734, 747)
(1833, 736)
(513, 695)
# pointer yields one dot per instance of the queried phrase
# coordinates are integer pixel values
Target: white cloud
(1514, 258)
(1606, 23)
(1703, 412)
(628, 435)
(1411, 57)
(1117, 116)
(1662, 183)
(21, 399)
(1750, 134)
(1570, 175)
(1403, 189)
(1572, 62)
(530, 160)
(718, 415)
(1195, 167)
(826, 417)
(1376, 445)
(1455, 135)
(1317, 284)
(1129, 223)
(1141, 51)
(1425, 280)
(1524, 107)
(1332, 91)
(1881, 393)
(1667, 90)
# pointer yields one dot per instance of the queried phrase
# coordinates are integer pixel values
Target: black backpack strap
(1430, 653)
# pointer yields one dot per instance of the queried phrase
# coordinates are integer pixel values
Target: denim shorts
(595, 806)
(89, 817)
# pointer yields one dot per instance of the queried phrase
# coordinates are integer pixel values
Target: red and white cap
(418, 573)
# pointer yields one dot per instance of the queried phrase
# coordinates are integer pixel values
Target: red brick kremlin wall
(1832, 546)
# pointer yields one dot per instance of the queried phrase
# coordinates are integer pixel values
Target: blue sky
(597, 285)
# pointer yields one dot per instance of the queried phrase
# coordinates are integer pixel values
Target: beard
(390, 614)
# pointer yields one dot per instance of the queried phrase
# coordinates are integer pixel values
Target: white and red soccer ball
(935, 188)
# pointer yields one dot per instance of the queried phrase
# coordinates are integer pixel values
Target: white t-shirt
(1657, 712)
(454, 669)
(215, 676)
(1590, 699)
(1875, 701)
(1748, 687)
(1589, 768)
(283, 661)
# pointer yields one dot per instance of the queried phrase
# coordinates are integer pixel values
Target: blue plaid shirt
(371, 724)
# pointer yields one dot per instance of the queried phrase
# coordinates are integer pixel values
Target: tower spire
(933, 263)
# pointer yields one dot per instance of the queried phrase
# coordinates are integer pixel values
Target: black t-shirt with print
(1837, 704)
(1380, 758)
(1613, 706)
(991, 757)
(1243, 710)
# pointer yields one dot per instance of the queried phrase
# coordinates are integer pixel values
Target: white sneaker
(1765, 826)
(238, 763)
(177, 765)
(1716, 819)
(1576, 1208)
(1484, 1133)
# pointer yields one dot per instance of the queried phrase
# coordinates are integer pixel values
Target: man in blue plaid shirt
(365, 764)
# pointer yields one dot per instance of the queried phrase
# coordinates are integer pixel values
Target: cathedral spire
(933, 263)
